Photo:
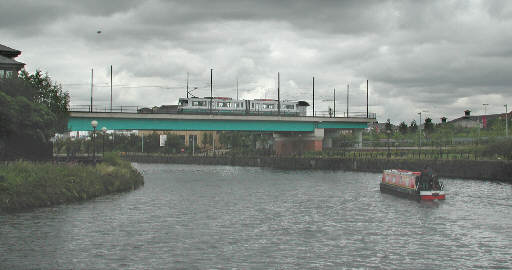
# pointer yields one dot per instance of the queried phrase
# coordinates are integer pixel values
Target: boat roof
(401, 172)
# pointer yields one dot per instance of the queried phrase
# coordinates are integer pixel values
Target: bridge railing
(344, 114)
(100, 108)
(145, 110)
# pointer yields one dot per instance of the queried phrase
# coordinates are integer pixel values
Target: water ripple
(215, 217)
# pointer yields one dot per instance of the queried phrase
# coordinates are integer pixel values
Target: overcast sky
(442, 57)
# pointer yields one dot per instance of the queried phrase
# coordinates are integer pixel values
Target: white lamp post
(104, 130)
(94, 124)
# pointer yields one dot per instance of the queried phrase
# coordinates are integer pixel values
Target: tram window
(198, 103)
(224, 104)
(252, 105)
(290, 107)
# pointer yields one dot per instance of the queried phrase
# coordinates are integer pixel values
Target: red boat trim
(431, 197)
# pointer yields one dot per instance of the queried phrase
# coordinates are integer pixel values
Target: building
(8, 66)
(469, 121)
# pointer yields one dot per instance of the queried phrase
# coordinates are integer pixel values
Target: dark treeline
(32, 109)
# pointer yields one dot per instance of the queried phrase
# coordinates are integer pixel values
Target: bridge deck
(135, 121)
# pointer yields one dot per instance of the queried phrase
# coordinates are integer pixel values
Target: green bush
(26, 184)
(502, 148)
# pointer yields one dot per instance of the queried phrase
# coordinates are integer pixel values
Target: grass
(26, 184)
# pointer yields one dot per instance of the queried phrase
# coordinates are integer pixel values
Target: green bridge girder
(83, 123)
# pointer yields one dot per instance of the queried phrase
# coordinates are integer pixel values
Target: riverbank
(25, 185)
(493, 170)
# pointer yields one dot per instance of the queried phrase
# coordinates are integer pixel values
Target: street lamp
(419, 129)
(506, 120)
(389, 133)
(94, 124)
(104, 130)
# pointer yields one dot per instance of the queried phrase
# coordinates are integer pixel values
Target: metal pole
(347, 97)
(334, 102)
(278, 95)
(236, 88)
(506, 120)
(187, 84)
(419, 127)
(213, 143)
(211, 89)
(92, 79)
(367, 113)
(313, 96)
(93, 143)
(142, 143)
(110, 88)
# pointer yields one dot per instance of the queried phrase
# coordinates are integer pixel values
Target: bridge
(305, 133)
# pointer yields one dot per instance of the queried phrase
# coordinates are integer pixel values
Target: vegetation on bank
(32, 109)
(26, 184)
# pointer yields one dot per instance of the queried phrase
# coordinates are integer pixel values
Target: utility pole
(187, 84)
(92, 79)
(110, 88)
(334, 103)
(211, 89)
(313, 96)
(348, 90)
(236, 88)
(367, 113)
(278, 95)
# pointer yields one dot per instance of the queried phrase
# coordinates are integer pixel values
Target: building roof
(8, 52)
(478, 117)
(8, 62)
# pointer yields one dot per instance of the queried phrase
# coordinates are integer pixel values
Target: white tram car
(225, 105)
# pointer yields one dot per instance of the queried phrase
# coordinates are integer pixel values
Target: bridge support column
(298, 143)
(359, 137)
(328, 137)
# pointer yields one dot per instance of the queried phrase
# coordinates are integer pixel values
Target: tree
(388, 125)
(429, 127)
(402, 128)
(50, 94)
(413, 128)
(32, 110)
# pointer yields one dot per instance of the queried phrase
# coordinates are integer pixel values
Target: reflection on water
(204, 217)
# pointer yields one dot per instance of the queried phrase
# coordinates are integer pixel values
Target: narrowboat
(423, 185)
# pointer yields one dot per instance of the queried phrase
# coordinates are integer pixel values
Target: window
(252, 105)
(1, 73)
(268, 106)
(290, 107)
(198, 103)
(224, 104)
(239, 104)
(9, 73)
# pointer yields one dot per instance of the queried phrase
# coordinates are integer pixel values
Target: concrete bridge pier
(286, 144)
(359, 137)
(329, 134)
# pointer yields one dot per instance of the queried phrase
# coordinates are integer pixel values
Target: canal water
(220, 217)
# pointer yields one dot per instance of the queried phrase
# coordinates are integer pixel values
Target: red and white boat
(422, 185)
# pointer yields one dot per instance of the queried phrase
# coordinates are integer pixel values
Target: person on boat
(426, 178)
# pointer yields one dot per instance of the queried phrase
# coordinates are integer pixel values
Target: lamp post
(94, 124)
(104, 131)
(506, 120)
(389, 133)
(419, 132)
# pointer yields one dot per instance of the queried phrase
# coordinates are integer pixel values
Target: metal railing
(99, 108)
(146, 110)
